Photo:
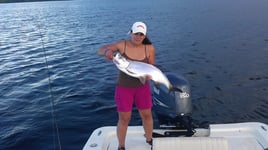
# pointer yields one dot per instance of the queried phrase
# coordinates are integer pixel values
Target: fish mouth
(120, 61)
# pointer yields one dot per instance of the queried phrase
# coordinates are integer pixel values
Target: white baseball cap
(139, 27)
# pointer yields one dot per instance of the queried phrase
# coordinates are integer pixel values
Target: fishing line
(52, 105)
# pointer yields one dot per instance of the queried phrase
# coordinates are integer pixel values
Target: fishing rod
(52, 105)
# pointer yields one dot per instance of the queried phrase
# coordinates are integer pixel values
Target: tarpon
(141, 70)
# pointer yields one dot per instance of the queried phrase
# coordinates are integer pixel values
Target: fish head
(120, 61)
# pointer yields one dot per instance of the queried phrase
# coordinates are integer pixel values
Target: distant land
(16, 1)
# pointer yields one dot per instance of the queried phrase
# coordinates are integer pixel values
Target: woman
(130, 90)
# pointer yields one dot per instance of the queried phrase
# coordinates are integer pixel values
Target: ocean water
(54, 88)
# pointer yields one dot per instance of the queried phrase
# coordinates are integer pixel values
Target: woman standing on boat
(130, 90)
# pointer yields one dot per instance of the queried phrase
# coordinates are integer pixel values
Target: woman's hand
(148, 77)
(108, 54)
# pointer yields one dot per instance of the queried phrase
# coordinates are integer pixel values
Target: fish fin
(145, 78)
(142, 79)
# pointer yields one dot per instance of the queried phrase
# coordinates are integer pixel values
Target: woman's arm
(108, 50)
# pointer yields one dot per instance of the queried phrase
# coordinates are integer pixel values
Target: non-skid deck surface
(206, 143)
(190, 143)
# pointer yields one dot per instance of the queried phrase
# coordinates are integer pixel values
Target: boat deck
(241, 136)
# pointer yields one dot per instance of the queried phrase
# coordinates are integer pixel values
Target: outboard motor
(172, 107)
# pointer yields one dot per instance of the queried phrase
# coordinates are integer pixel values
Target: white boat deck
(207, 143)
(240, 136)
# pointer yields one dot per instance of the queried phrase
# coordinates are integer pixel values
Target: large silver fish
(142, 70)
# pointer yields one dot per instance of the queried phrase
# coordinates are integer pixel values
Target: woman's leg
(147, 122)
(124, 118)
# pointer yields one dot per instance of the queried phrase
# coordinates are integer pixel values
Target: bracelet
(105, 51)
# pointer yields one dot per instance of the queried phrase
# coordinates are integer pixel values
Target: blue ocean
(55, 89)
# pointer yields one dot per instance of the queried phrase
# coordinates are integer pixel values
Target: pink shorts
(125, 98)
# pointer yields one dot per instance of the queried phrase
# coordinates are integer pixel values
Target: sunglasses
(140, 34)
